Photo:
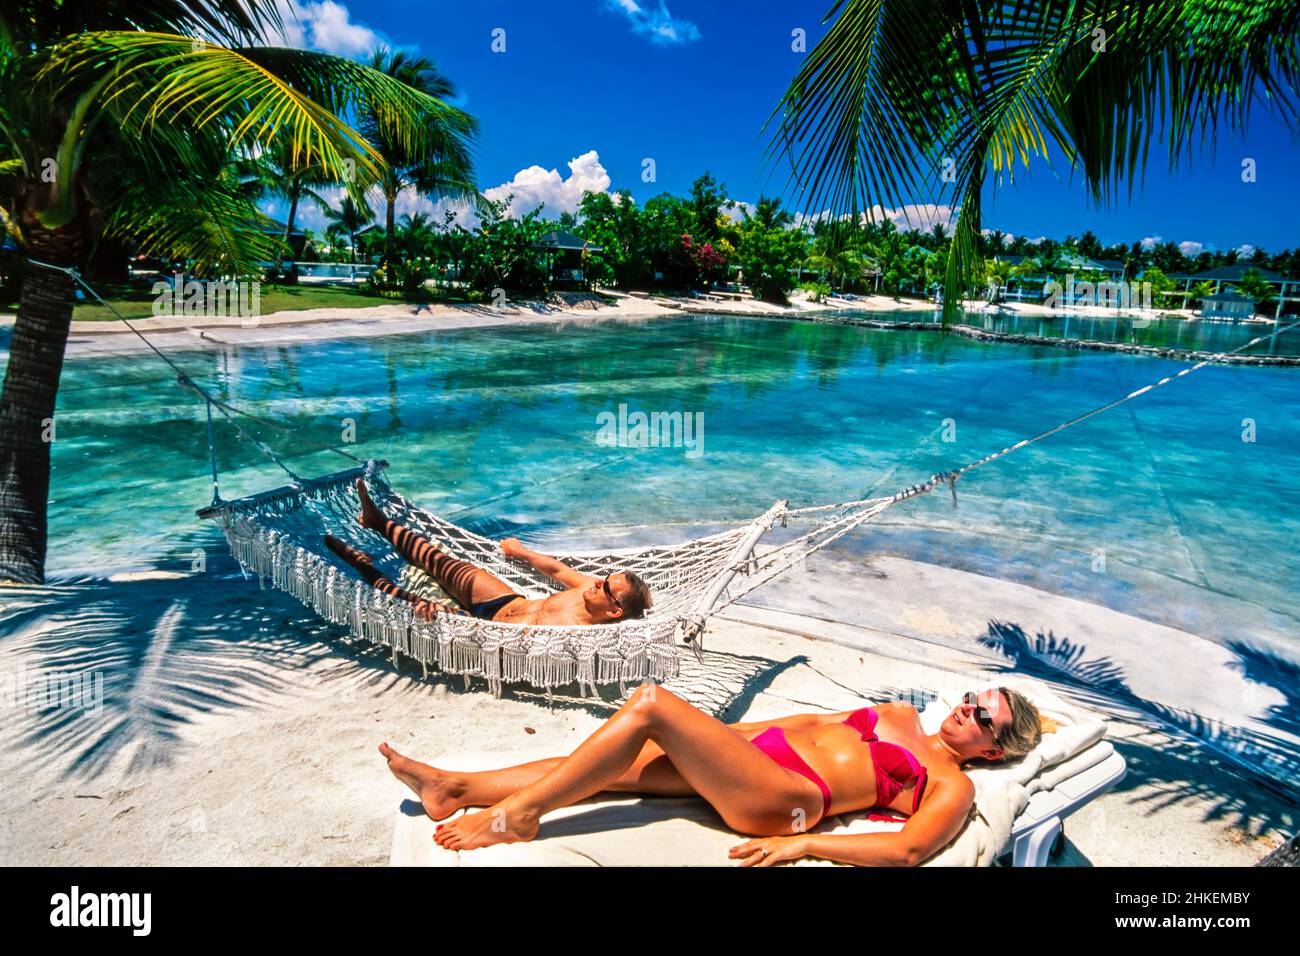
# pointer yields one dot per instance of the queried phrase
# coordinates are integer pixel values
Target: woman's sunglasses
(982, 715)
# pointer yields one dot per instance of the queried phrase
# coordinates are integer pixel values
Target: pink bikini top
(896, 768)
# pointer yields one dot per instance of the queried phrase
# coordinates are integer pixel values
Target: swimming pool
(1186, 497)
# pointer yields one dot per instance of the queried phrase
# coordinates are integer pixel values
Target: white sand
(231, 734)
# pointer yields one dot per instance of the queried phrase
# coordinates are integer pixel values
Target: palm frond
(158, 79)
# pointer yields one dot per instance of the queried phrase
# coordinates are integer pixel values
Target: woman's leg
(751, 792)
(467, 583)
(443, 792)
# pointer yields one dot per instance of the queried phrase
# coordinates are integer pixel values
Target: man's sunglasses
(610, 594)
(982, 715)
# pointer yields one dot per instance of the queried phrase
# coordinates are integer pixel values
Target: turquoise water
(1197, 335)
(502, 427)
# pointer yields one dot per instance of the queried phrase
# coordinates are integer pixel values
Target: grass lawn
(136, 301)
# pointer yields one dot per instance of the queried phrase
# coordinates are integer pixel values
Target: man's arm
(545, 564)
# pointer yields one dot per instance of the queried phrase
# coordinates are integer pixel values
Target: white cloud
(535, 185)
(1245, 250)
(326, 26)
(1150, 242)
(658, 24)
(738, 211)
(922, 216)
(1191, 249)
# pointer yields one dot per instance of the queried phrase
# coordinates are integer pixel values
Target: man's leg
(365, 566)
(467, 583)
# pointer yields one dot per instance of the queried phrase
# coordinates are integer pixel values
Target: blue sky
(690, 84)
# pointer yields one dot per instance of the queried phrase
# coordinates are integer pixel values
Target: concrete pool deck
(233, 730)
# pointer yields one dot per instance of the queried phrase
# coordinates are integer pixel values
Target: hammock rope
(279, 534)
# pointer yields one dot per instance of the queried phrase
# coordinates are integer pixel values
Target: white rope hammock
(279, 535)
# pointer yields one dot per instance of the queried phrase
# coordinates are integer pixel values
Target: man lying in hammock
(586, 600)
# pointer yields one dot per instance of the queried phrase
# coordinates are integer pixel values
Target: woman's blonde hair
(1027, 726)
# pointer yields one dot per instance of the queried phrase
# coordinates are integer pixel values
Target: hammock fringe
(277, 535)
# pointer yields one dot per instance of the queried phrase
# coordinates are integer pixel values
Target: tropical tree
(1254, 285)
(349, 219)
(769, 255)
(907, 100)
(116, 122)
(842, 264)
(283, 172)
(440, 166)
(503, 252)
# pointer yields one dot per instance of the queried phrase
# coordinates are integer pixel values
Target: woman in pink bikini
(773, 779)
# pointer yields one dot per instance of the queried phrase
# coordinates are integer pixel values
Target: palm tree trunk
(288, 226)
(388, 234)
(31, 385)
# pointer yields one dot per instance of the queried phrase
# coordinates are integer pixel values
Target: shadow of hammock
(723, 685)
(1231, 774)
(135, 661)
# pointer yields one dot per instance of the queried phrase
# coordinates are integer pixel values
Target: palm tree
(906, 100)
(842, 264)
(1254, 285)
(769, 213)
(283, 172)
(441, 167)
(119, 120)
(349, 219)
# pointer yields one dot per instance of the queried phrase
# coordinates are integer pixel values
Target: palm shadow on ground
(1234, 771)
(151, 654)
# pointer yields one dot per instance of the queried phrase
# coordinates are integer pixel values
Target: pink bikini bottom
(773, 743)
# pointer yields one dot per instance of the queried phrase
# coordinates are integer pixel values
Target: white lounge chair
(1018, 814)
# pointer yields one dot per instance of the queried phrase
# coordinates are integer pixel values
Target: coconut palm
(348, 220)
(1254, 285)
(441, 167)
(768, 212)
(282, 172)
(906, 100)
(117, 120)
(840, 263)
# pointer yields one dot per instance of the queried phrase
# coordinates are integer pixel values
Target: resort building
(1230, 276)
(564, 253)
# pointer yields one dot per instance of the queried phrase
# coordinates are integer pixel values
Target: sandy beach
(234, 730)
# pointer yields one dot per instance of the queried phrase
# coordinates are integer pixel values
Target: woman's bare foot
(370, 517)
(510, 821)
(439, 792)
